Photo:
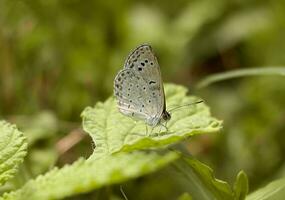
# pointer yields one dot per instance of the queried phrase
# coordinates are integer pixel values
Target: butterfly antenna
(190, 104)
(123, 193)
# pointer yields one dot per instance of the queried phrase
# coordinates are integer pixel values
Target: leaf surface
(87, 175)
(113, 132)
(13, 149)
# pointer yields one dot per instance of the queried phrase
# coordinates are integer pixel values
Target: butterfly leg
(160, 127)
(146, 131)
(152, 128)
(165, 126)
(159, 130)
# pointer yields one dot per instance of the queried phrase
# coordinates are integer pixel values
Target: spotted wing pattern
(139, 88)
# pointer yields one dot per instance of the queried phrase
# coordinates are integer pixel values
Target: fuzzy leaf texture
(87, 175)
(113, 132)
(13, 149)
(203, 185)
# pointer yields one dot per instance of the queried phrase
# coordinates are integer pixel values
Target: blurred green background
(57, 57)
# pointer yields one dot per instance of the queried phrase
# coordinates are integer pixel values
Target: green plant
(124, 152)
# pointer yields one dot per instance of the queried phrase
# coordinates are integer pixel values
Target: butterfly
(138, 88)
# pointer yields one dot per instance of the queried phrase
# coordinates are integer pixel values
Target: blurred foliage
(57, 57)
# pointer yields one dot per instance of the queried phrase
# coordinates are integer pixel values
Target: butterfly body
(138, 88)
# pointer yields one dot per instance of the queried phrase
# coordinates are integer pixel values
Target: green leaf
(13, 148)
(241, 186)
(113, 132)
(241, 73)
(203, 184)
(86, 175)
(274, 191)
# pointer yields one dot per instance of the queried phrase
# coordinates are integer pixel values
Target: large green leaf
(86, 175)
(13, 148)
(273, 191)
(113, 132)
(203, 185)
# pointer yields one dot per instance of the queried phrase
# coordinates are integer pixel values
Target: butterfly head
(165, 116)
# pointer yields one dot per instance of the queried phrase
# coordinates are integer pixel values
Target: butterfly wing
(143, 62)
(134, 98)
(129, 94)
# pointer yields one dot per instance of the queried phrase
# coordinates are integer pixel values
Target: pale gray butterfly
(139, 90)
